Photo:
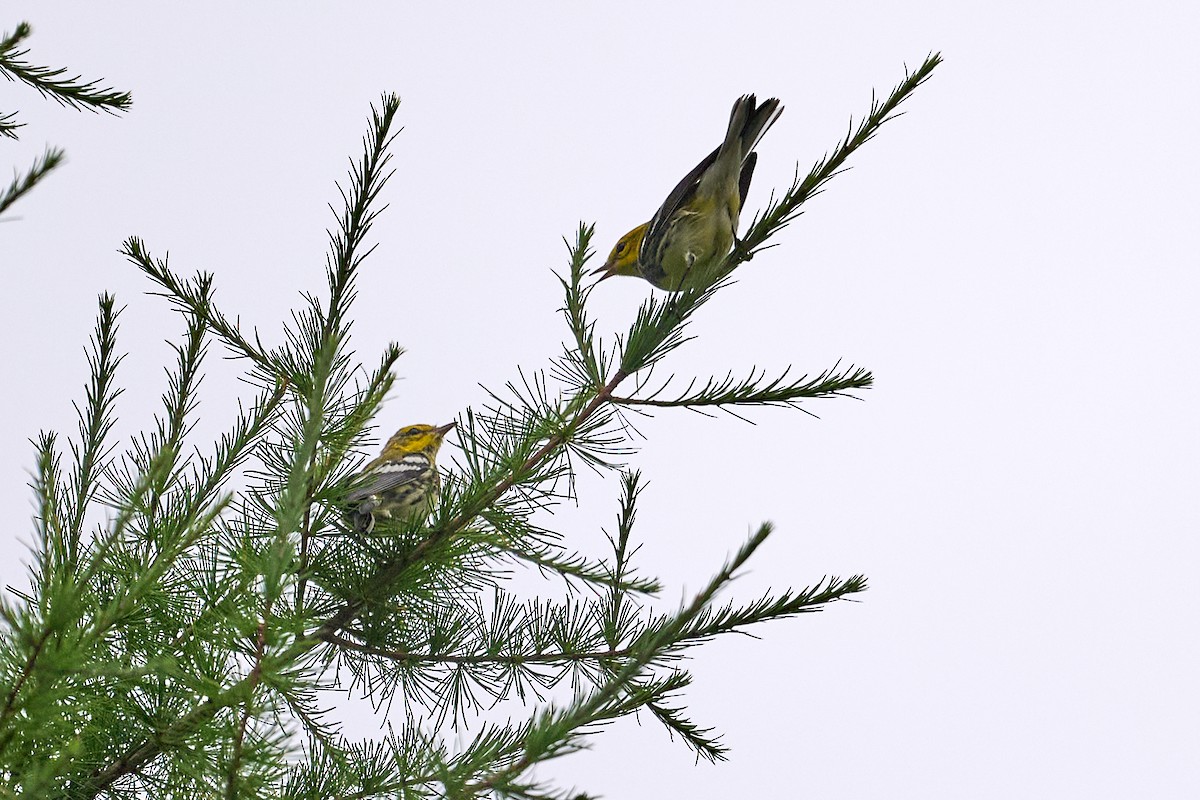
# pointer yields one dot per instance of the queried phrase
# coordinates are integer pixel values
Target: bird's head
(623, 259)
(416, 439)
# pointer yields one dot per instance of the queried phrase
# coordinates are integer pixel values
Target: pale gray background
(1016, 259)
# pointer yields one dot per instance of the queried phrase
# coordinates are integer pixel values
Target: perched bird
(403, 481)
(696, 225)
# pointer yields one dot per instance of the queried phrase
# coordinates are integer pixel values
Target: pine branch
(191, 297)
(790, 603)
(779, 213)
(9, 125)
(558, 732)
(359, 771)
(660, 326)
(754, 391)
(557, 562)
(584, 362)
(10, 41)
(614, 628)
(96, 420)
(163, 446)
(70, 92)
(621, 623)
(22, 184)
(698, 739)
(47, 488)
(409, 657)
(253, 680)
(367, 177)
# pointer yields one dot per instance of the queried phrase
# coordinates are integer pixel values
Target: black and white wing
(389, 475)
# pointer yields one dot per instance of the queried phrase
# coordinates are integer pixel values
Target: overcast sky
(1015, 259)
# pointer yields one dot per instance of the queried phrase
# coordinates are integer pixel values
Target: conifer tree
(192, 606)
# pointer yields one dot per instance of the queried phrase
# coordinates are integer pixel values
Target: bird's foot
(740, 251)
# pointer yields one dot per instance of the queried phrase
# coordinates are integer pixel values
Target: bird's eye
(620, 248)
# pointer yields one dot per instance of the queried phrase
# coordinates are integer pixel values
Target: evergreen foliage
(187, 644)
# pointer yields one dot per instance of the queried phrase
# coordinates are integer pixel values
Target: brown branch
(136, 757)
(638, 401)
(26, 674)
(535, 658)
(255, 677)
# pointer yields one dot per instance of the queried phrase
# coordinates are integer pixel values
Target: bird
(402, 482)
(696, 226)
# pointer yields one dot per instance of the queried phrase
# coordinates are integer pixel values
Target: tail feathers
(742, 111)
(361, 517)
(748, 121)
(758, 121)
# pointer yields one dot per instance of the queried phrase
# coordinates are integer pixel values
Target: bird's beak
(609, 269)
(442, 431)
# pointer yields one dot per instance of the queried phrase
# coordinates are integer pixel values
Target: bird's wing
(744, 181)
(389, 475)
(682, 193)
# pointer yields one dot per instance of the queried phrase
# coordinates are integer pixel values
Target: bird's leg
(740, 251)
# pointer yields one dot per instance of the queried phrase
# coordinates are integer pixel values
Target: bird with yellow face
(695, 228)
(402, 482)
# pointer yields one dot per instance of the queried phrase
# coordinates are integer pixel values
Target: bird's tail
(749, 121)
(732, 164)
